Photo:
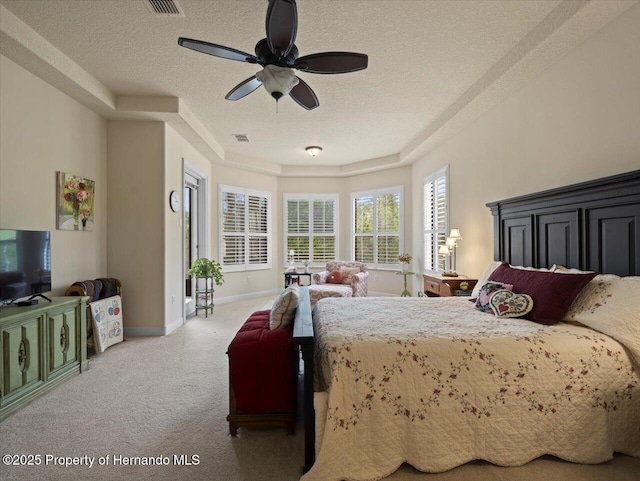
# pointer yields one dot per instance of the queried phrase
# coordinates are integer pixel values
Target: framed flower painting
(75, 202)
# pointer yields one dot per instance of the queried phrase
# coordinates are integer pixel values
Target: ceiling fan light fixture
(278, 81)
(313, 150)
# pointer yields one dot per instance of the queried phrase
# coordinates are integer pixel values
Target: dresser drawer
(432, 287)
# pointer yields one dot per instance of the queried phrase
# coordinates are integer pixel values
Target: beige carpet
(167, 396)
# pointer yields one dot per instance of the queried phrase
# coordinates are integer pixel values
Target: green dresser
(40, 347)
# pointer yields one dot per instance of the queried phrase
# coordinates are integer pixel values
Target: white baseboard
(153, 331)
(173, 326)
(250, 295)
(381, 294)
(143, 331)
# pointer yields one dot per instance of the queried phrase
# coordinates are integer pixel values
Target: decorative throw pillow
(348, 273)
(552, 292)
(482, 303)
(493, 265)
(334, 277)
(505, 303)
(284, 308)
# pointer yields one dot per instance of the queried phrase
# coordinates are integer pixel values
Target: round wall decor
(174, 201)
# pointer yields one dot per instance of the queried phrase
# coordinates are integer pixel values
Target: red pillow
(552, 293)
(335, 277)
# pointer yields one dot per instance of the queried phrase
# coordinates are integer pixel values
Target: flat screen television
(25, 263)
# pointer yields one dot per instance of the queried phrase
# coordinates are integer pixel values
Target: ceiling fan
(278, 55)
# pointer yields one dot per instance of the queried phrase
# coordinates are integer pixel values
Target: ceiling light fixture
(313, 150)
(278, 81)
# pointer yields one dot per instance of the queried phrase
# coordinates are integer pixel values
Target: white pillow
(611, 305)
(566, 270)
(493, 265)
(284, 308)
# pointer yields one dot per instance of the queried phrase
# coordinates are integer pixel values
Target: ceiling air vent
(241, 137)
(164, 8)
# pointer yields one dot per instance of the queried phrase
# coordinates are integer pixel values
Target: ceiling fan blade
(304, 96)
(244, 88)
(332, 62)
(217, 50)
(282, 26)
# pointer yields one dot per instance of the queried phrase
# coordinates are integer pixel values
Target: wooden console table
(42, 346)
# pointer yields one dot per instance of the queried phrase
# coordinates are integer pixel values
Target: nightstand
(436, 285)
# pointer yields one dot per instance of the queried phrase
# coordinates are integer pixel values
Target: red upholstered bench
(262, 376)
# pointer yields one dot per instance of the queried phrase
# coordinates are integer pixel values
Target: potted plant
(204, 267)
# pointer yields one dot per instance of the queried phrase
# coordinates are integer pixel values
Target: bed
(435, 383)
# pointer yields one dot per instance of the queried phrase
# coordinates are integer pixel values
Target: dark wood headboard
(593, 226)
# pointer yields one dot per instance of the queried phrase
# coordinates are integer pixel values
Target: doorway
(195, 229)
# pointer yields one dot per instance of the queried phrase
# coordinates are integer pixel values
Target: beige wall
(136, 244)
(43, 131)
(179, 151)
(578, 120)
(380, 281)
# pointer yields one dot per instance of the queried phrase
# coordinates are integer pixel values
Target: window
(377, 227)
(311, 229)
(245, 230)
(436, 218)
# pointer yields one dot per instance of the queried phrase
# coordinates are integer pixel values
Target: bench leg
(233, 429)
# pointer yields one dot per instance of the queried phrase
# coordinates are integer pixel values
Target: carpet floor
(156, 398)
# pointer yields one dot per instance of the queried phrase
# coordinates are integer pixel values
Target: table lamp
(451, 244)
(291, 267)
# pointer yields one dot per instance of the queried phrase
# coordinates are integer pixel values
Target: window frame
(375, 193)
(246, 266)
(428, 179)
(336, 228)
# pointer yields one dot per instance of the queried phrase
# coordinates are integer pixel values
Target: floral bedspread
(435, 383)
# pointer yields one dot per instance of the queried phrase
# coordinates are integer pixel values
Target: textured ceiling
(429, 63)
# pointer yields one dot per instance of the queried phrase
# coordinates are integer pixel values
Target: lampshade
(444, 249)
(450, 242)
(313, 150)
(455, 234)
(278, 81)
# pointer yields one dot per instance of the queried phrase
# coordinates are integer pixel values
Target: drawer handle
(64, 344)
(23, 356)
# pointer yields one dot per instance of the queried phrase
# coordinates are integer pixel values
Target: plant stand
(405, 292)
(204, 295)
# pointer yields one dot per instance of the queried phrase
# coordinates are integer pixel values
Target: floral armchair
(357, 280)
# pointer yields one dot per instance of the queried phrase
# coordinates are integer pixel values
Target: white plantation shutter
(311, 229)
(324, 230)
(298, 222)
(245, 228)
(364, 231)
(377, 227)
(258, 230)
(436, 218)
(233, 220)
(388, 222)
